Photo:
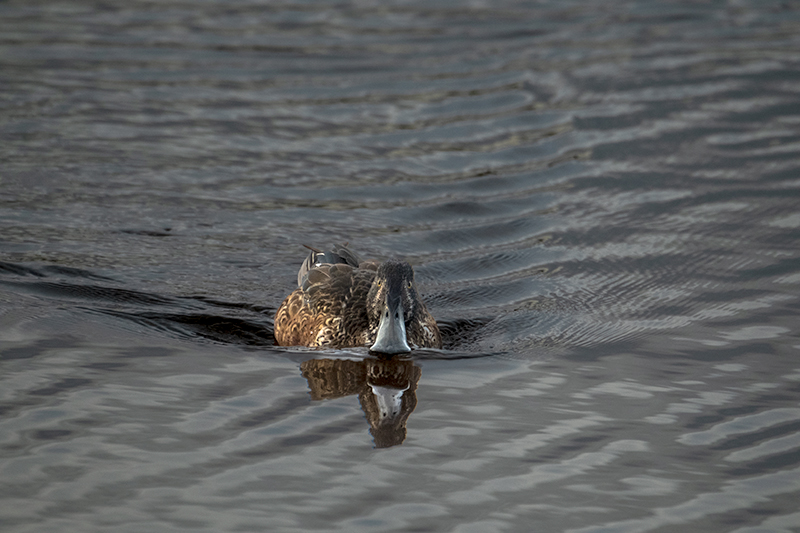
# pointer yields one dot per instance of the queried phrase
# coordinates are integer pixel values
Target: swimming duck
(342, 301)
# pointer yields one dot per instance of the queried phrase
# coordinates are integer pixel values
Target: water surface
(600, 201)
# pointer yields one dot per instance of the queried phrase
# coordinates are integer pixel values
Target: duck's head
(392, 303)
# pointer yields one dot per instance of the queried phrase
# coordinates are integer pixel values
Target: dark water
(601, 199)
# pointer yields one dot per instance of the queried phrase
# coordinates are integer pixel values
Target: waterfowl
(342, 301)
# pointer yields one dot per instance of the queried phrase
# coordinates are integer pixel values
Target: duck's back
(329, 308)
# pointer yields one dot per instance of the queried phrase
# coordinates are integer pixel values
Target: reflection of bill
(386, 389)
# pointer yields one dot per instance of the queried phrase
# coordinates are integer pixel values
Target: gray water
(601, 201)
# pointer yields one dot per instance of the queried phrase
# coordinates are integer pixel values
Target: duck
(343, 302)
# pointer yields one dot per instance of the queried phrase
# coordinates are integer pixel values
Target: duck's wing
(311, 315)
(328, 287)
(327, 310)
(336, 290)
(346, 254)
(338, 254)
(328, 307)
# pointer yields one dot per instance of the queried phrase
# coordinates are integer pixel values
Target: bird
(342, 301)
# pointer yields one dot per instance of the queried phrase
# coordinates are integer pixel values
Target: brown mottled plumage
(342, 302)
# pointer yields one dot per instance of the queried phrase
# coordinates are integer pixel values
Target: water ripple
(599, 199)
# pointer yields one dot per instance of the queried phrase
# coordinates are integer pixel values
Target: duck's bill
(391, 337)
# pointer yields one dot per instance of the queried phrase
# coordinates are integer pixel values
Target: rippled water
(600, 200)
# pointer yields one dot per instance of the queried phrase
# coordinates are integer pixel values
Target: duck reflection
(386, 389)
